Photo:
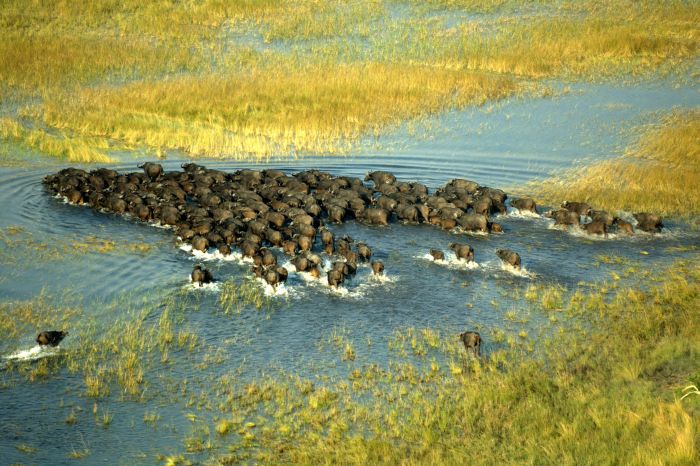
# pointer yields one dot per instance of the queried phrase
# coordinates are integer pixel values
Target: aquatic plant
(335, 71)
(591, 379)
(654, 175)
(235, 296)
(318, 110)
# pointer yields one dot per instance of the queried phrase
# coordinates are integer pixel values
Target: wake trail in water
(451, 262)
(32, 354)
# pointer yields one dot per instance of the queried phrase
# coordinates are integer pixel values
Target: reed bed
(619, 376)
(320, 110)
(612, 365)
(655, 175)
(259, 78)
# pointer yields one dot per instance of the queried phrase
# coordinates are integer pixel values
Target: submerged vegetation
(657, 174)
(255, 79)
(612, 364)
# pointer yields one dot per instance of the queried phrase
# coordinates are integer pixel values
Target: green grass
(613, 364)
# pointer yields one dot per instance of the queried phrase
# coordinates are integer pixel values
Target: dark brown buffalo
(51, 337)
(472, 342)
(509, 257)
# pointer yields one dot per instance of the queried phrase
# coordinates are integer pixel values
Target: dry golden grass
(659, 174)
(262, 77)
(58, 144)
(600, 42)
(316, 110)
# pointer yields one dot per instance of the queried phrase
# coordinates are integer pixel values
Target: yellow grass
(658, 174)
(317, 110)
(59, 144)
(263, 77)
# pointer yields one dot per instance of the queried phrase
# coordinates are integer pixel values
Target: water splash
(215, 255)
(33, 354)
(451, 261)
(212, 287)
(521, 272)
(281, 290)
(517, 213)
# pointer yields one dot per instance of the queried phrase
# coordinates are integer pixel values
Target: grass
(616, 38)
(258, 78)
(614, 365)
(59, 144)
(317, 110)
(655, 174)
(621, 376)
(236, 296)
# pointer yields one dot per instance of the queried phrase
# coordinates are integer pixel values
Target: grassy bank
(319, 110)
(657, 173)
(255, 79)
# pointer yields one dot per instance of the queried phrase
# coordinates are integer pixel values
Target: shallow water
(51, 246)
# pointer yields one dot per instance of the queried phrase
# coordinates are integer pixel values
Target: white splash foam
(215, 255)
(326, 264)
(384, 278)
(521, 272)
(451, 261)
(279, 290)
(213, 286)
(33, 354)
(157, 224)
(517, 213)
(358, 286)
(581, 233)
(461, 231)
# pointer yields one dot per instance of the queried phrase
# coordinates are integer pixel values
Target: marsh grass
(58, 144)
(89, 79)
(613, 368)
(318, 110)
(629, 38)
(20, 246)
(119, 361)
(653, 176)
(236, 296)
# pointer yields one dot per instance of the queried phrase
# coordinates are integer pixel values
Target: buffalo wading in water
(51, 337)
(377, 267)
(472, 342)
(463, 251)
(251, 210)
(509, 257)
(201, 276)
(437, 254)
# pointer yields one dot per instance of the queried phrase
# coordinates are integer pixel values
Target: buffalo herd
(258, 210)
(261, 211)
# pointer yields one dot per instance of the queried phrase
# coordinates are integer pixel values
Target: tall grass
(58, 144)
(613, 367)
(316, 110)
(657, 174)
(618, 376)
(260, 78)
